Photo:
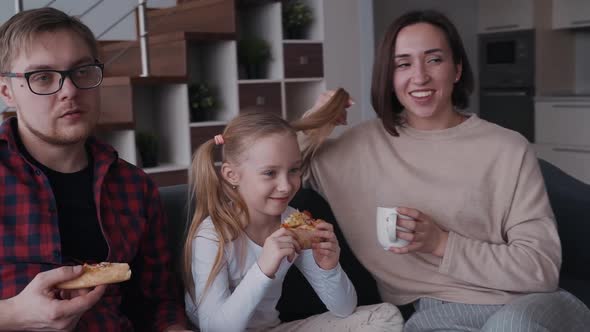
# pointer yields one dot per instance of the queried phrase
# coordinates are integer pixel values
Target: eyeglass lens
(49, 81)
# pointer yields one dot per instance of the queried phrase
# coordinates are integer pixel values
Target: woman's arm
(530, 259)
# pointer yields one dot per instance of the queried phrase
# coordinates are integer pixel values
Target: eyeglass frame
(64, 74)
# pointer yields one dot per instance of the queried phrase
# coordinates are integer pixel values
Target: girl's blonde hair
(217, 199)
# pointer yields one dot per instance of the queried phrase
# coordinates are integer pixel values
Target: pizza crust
(98, 274)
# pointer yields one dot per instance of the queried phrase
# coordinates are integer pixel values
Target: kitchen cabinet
(574, 161)
(571, 13)
(505, 15)
(561, 134)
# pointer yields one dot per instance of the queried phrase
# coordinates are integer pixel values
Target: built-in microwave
(507, 59)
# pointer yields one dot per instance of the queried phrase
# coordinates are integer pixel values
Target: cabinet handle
(504, 93)
(571, 106)
(500, 27)
(578, 22)
(571, 150)
(303, 60)
(260, 101)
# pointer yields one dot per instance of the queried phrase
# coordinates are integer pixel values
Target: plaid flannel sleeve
(158, 284)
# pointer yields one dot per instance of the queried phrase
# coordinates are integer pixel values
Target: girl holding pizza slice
(237, 254)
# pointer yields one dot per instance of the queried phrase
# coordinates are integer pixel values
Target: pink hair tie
(218, 139)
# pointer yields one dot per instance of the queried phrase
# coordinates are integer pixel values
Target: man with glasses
(67, 198)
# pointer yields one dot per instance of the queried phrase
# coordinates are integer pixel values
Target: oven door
(510, 108)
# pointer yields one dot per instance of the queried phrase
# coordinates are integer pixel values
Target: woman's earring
(234, 187)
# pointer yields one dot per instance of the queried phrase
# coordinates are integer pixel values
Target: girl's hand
(327, 252)
(427, 236)
(277, 246)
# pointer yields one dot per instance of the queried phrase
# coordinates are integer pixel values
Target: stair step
(202, 15)
(167, 53)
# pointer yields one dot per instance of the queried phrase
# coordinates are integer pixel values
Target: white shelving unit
(294, 80)
(316, 30)
(163, 110)
(297, 94)
(265, 22)
(215, 63)
(300, 96)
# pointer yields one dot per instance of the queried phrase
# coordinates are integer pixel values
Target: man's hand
(426, 236)
(42, 307)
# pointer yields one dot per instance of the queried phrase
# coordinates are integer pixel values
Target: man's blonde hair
(18, 33)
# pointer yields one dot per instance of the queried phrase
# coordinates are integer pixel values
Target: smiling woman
(483, 250)
(424, 74)
(424, 55)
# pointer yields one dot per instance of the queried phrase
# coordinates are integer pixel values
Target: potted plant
(297, 17)
(253, 57)
(202, 102)
(147, 144)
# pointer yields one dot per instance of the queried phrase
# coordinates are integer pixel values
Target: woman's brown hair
(215, 197)
(383, 98)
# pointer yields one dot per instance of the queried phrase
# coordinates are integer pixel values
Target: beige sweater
(477, 180)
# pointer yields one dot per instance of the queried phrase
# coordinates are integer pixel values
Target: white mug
(387, 227)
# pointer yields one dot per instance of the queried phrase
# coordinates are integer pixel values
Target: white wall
(463, 13)
(348, 51)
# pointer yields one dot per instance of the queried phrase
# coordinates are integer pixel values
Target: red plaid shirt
(129, 213)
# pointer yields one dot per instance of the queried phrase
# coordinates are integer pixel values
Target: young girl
(237, 255)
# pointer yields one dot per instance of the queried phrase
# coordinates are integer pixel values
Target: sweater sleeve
(530, 258)
(332, 286)
(220, 309)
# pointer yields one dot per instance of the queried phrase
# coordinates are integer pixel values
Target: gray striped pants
(546, 312)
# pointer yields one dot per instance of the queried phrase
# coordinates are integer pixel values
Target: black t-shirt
(82, 239)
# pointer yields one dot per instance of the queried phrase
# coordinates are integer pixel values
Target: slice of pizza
(98, 274)
(302, 224)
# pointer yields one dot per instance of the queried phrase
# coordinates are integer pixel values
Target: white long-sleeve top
(242, 297)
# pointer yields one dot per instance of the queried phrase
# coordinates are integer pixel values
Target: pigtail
(317, 125)
(213, 197)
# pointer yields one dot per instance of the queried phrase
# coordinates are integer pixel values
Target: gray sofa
(569, 198)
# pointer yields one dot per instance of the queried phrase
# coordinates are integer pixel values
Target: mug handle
(391, 227)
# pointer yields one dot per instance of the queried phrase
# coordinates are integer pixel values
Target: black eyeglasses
(47, 81)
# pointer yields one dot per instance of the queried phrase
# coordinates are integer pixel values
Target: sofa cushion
(174, 200)
(570, 200)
